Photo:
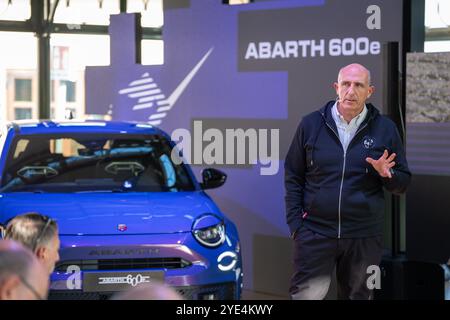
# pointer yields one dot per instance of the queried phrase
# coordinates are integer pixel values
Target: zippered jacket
(335, 193)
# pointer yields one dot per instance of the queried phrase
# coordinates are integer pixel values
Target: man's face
(48, 253)
(353, 89)
(52, 254)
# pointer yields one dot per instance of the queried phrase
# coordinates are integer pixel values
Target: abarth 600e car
(127, 212)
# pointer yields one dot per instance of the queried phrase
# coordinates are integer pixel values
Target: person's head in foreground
(22, 276)
(39, 234)
(149, 291)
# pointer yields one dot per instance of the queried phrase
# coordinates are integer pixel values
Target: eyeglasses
(31, 288)
(2, 232)
(42, 233)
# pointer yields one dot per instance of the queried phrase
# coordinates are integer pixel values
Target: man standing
(340, 159)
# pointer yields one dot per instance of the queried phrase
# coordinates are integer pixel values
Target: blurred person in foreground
(22, 276)
(149, 291)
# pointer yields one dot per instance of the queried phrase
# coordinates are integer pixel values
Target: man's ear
(8, 288)
(336, 87)
(41, 253)
(371, 91)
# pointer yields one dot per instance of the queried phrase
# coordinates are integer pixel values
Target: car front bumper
(193, 270)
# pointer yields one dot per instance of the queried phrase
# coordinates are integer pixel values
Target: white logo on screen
(149, 94)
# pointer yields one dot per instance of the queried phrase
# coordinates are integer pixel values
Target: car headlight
(209, 230)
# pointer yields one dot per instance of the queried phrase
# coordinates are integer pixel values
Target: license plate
(118, 281)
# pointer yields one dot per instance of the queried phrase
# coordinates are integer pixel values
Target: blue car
(128, 213)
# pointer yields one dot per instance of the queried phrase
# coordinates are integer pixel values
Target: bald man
(340, 159)
(22, 276)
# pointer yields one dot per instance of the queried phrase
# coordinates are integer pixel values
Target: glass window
(18, 61)
(437, 46)
(437, 26)
(15, 10)
(22, 89)
(77, 12)
(152, 15)
(70, 90)
(73, 47)
(21, 146)
(437, 13)
(52, 90)
(68, 73)
(23, 113)
(152, 52)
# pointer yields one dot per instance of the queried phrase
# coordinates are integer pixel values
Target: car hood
(102, 213)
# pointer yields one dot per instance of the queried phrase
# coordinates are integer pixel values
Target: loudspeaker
(410, 280)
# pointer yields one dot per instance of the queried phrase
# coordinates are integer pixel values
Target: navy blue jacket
(335, 194)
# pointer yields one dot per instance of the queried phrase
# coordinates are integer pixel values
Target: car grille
(222, 291)
(124, 264)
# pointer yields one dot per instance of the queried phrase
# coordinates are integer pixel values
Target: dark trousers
(316, 256)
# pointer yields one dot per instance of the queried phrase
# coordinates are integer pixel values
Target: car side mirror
(212, 178)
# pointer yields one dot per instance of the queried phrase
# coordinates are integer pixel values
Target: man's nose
(351, 88)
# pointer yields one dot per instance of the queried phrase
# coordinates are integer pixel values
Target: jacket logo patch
(368, 142)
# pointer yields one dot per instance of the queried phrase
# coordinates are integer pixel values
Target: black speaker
(410, 280)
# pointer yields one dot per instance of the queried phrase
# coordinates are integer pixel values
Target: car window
(20, 147)
(93, 163)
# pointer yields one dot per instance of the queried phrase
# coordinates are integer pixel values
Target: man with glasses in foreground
(22, 276)
(39, 234)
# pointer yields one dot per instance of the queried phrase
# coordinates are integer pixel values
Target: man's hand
(384, 164)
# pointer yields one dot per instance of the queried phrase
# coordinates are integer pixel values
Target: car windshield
(93, 163)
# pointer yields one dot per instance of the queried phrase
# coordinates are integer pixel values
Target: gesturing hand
(384, 164)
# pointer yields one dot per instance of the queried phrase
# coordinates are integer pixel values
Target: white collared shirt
(347, 130)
